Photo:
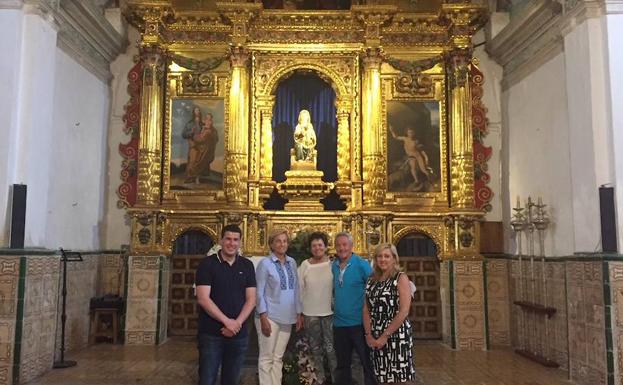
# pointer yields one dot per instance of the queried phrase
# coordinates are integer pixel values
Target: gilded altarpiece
(382, 62)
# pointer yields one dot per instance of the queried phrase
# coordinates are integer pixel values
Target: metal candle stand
(524, 222)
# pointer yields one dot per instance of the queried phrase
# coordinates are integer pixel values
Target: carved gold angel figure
(304, 137)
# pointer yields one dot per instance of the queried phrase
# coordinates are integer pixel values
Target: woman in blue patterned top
(278, 307)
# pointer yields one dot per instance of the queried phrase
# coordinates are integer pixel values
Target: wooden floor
(175, 363)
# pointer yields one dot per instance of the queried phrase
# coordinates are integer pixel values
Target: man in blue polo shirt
(226, 296)
(350, 274)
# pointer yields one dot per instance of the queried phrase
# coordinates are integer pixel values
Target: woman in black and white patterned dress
(388, 331)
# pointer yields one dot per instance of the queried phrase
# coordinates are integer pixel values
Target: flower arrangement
(298, 367)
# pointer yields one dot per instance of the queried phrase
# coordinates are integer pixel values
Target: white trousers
(270, 362)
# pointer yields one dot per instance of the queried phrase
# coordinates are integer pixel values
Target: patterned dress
(393, 363)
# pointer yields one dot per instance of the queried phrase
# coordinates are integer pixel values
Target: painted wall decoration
(126, 192)
(482, 153)
(413, 151)
(197, 144)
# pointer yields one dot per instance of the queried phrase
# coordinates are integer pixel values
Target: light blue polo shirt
(349, 288)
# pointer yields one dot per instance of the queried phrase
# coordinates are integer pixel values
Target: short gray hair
(344, 234)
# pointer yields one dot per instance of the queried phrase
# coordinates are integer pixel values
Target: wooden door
(418, 259)
(188, 251)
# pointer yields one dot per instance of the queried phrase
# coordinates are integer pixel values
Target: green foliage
(299, 247)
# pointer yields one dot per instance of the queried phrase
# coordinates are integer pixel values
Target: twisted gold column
(462, 162)
(373, 157)
(265, 107)
(236, 161)
(149, 153)
(343, 140)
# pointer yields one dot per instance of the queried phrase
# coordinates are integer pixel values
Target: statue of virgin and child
(304, 139)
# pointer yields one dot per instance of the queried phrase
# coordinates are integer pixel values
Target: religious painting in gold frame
(413, 153)
(415, 136)
(194, 152)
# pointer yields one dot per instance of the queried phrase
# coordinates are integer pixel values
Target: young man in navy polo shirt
(226, 296)
(350, 274)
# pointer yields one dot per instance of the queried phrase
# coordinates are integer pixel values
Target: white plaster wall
(31, 149)
(492, 101)
(589, 132)
(537, 141)
(614, 25)
(78, 157)
(117, 230)
(10, 45)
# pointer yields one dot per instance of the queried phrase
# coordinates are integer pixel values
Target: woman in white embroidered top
(316, 281)
(278, 307)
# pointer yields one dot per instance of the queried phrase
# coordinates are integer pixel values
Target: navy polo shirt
(228, 284)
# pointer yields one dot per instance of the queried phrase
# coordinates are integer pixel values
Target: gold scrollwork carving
(198, 83)
(374, 167)
(461, 173)
(148, 176)
(234, 183)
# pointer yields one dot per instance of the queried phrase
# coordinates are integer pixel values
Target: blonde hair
(377, 274)
(274, 234)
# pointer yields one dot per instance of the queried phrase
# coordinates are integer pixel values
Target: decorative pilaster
(373, 157)
(150, 142)
(237, 147)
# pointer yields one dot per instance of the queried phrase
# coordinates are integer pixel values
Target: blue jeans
(215, 351)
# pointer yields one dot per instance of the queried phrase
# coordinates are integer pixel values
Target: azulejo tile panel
(143, 299)
(40, 312)
(112, 274)
(615, 272)
(9, 280)
(498, 309)
(469, 304)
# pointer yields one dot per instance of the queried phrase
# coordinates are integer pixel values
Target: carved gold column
(373, 157)
(343, 140)
(150, 143)
(462, 161)
(343, 185)
(237, 147)
(265, 107)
